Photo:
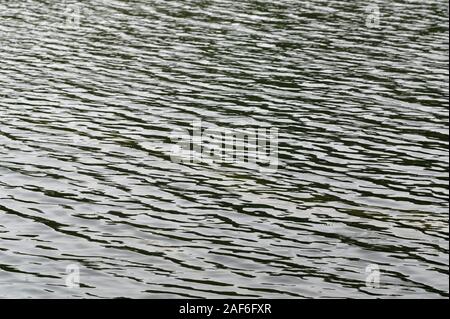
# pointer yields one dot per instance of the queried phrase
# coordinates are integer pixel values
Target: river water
(89, 192)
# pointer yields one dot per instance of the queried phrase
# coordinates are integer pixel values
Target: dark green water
(87, 178)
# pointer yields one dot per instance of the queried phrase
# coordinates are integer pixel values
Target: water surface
(86, 176)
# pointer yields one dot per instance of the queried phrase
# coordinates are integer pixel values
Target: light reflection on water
(86, 176)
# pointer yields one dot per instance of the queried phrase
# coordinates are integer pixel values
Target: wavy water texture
(86, 176)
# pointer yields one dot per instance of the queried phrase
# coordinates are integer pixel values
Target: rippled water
(86, 176)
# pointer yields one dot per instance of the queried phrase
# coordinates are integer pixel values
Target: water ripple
(86, 175)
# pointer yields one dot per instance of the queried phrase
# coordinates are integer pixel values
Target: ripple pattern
(86, 176)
